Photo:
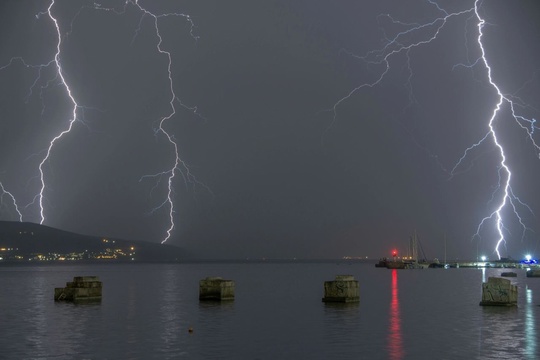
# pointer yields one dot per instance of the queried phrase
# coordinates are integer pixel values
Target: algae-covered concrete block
(533, 273)
(499, 292)
(82, 288)
(216, 288)
(343, 289)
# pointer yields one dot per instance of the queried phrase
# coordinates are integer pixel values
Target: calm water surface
(147, 310)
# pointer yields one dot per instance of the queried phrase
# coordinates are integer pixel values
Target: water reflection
(342, 322)
(171, 315)
(217, 322)
(530, 329)
(501, 333)
(395, 339)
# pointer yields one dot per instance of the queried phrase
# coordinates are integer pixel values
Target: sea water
(147, 311)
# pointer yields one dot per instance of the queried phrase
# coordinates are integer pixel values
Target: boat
(396, 265)
(408, 262)
(436, 265)
(390, 264)
(383, 262)
(413, 262)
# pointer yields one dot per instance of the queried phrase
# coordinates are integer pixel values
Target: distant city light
(528, 257)
(483, 258)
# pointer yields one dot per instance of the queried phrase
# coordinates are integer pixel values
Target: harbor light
(483, 258)
(529, 260)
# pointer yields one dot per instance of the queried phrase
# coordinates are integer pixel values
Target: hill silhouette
(24, 240)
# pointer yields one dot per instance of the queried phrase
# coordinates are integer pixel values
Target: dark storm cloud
(286, 180)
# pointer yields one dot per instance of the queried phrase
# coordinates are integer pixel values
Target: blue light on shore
(529, 260)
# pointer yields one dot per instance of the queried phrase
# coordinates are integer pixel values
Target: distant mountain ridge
(25, 241)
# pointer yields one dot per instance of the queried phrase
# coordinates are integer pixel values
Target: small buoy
(190, 330)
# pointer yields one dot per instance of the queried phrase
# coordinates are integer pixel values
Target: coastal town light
(483, 258)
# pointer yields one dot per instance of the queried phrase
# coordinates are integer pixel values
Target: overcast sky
(286, 153)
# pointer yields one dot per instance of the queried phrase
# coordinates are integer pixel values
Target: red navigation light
(394, 253)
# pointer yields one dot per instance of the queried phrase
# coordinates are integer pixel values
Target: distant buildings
(109, 252)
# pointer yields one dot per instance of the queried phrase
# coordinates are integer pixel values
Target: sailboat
(413, 262)
(436, 263)
(391, 264)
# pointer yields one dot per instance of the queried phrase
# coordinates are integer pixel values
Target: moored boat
(396, 265)
(383, 262)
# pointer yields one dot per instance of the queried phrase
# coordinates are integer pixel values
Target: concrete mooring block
(216, 288)
(343, 289)
(533, 273)
(499, 292)
(82, 288)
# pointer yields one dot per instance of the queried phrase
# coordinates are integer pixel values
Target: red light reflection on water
(395, 340)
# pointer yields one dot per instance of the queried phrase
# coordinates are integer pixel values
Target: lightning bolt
(178, 167)
(71, 121)
(60, 77)
(417, 35)
(394, 47)
(40, 197)
(508, 197)
(13, 200)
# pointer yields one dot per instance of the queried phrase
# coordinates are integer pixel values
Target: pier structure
(343, 289)
(82, 288)
(499, 292)
(216, 288)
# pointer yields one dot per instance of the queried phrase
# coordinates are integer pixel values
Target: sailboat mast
(416, 246)
(445, 249)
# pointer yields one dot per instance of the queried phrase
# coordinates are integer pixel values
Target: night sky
(283, 152)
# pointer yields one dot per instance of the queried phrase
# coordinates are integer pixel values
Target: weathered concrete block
(82, 288)
(499, 292)
(533, 273)
(343, 289)
(216, 288)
